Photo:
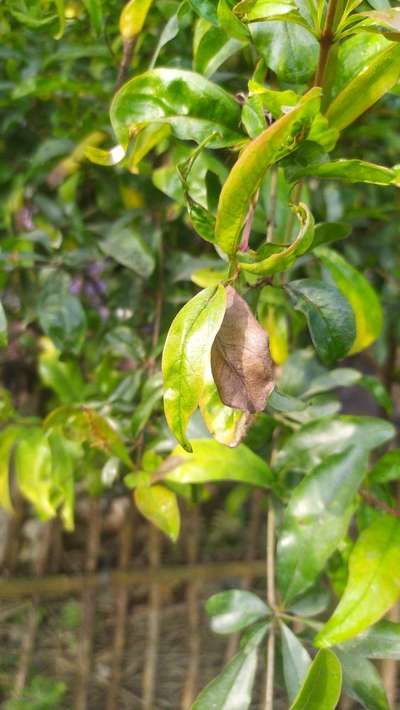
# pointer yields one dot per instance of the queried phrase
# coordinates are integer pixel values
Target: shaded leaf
(316, 520)
(379, 641)
(271, 145)
(362, 682)
(373, 584)
(8, 438)
(234, 610)
(211, 461)
(296, 661)
(350, 171)
(329, 316)
(240, 359)
(360, 294)
(159, 505)
(322, 685)
(126, 246)
(387, 468)
(186, 356)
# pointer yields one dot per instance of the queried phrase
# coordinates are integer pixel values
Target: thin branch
(273, 195)
(375, 502)
(249, 223)
(153, 632)
(192, 601)
(271, 599)
(128, 47)
(326, 40)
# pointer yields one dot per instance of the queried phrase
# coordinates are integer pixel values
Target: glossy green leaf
(296, 661)
(186, 356)
(205, 9)
(316, 520)
(245, 177)
(340, 377)
(290, 51)
(387, 468)
(232, 689)
(33, 468)
(214, 48)
(127, 247)
(234, 610)
(312, 603)
(374, 80)
(373, 584)
(327, 232)
(193, 106)
(379, 641)
(322, 685)
(313, 442)
(270, 10)
(329, 317)
(159, 505)
(259, 263)
(360, 294)
(361, 681)
(230, 23)
(7, 441)
(212, 461)
(351, 171)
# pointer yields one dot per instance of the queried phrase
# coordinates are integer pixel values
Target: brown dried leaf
(240, 359)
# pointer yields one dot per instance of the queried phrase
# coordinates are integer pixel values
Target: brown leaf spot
(240, 359)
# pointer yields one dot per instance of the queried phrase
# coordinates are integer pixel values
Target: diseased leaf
(211, 461)
(376, 78)
(228, 426)
(186, 356)
(193, 106)
(316, 520)
(296, 661)
(234, 610)
(322, 685)
(313, 442)
(240, 359)
(373, 584)
(361, 681)
(329, 316)
(271, 145)
(263, 263)
(360, 294)
(159, 505)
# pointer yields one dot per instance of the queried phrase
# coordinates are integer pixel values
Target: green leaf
(379, 641)
(360, 294)
(322, 685)
(362, 682)
(193, 106)
(232, 689)
(214, 48)
(377, 77)
(259, 263)
(212, 461)
(316, 520)
(63, 484)
(296, 661)
(94, 9)
(329, 317)
(3, 328)
(61, 316)
(313, 442)
(159, 505)
(327, 232)
(205, 9)
(373, 584)
(350, 171)
(127, 247)
(7, 440)
(290, 51)
(234, 610)
(64, 378)
(387, 468)
(340, 377)
(33, 468)
(60, 6)
(382, 20)
(186, 356)
(230, 23)
(274, 143)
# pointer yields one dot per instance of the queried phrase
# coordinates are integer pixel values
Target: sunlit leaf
(322, 685)
(159, 505)
(234, 610)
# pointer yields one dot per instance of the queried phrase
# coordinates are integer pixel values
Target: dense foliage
(179, 146)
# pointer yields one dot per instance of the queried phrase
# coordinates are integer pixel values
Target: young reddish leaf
(240, 359)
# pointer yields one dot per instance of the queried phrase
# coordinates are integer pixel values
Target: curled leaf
(240, 359)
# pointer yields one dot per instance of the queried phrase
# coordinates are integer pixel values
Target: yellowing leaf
(159, 505)
(271, 145)
(360, 294)
(7, 440)
(227, 425)
(133, 17)
(186, 356)
(373, 584)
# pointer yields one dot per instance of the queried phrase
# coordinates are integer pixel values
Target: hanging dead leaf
(240, 359)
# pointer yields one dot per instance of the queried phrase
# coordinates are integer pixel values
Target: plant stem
(269, 686)
(326, 40)
(272, 205)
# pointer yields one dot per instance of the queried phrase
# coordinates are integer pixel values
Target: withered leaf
(240, 359)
